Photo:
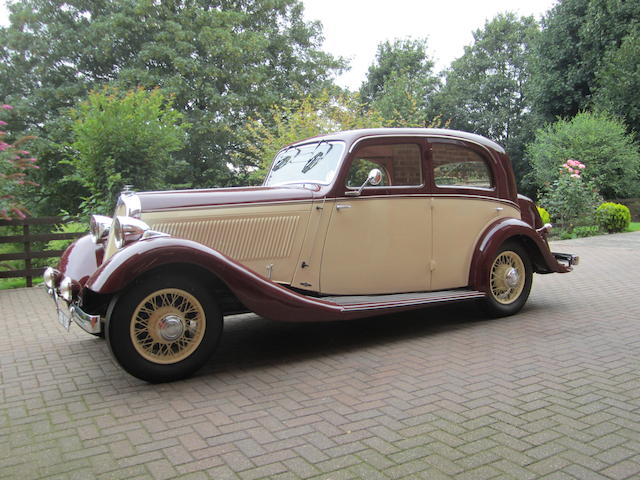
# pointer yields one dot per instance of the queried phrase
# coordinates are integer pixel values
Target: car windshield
(311, 163)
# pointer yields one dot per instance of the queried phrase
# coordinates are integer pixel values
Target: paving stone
(549, 393)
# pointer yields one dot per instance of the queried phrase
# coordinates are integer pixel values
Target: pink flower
(582, 166)
(572, 163)
(4, 146)
(575, 175)
(6, 107)
(3, 123)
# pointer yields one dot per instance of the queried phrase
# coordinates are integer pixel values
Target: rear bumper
(89, 323)
(569, 260)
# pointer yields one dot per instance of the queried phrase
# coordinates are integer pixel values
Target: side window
(399, 163)
(458, 166)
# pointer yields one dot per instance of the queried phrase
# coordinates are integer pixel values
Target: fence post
(27, 251)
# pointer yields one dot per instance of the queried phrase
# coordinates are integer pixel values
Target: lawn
(634, 227)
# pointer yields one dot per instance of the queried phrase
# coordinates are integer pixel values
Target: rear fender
(257, 293)
(497, 234)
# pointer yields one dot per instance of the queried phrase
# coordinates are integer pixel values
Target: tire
(510, 278)
(163, 328)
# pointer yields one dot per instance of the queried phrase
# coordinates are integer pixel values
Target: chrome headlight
(50, 277)
(99, 227)
(66, 289)
(127, 229)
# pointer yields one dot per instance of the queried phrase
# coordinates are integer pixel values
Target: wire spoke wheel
(507, 277)
(167, 326)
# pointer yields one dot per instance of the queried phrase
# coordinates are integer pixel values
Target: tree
(124, 138)
(618, 82)
(486, 89)
(297, 120)
(400, 83)
(576, 36)
(224, 61)
(595, 139)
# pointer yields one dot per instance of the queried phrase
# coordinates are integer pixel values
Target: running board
(353, 303)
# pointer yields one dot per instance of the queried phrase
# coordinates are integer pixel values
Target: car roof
(351, 136)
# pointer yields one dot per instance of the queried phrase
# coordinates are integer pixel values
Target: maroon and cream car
(348, 225)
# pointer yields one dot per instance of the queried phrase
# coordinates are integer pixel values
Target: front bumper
(89, 323)
(567, 259)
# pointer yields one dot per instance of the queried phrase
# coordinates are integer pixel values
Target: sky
(354, 28)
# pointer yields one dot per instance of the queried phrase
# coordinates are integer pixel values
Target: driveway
(553, 392)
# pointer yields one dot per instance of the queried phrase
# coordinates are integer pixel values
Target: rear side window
(459, 166)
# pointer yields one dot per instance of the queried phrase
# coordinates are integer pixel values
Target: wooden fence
(29, 240)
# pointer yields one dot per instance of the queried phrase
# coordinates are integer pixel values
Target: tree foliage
(576, 36)
(486, 89)
(296, 120)
(595, 139)
(223, 61)
(618, 82)
(124, 138)
(400, 83)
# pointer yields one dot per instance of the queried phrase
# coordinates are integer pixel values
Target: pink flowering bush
(15, 164)
(570, 199)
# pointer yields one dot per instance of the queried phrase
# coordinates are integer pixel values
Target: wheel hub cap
(512, 278)
(171, 328)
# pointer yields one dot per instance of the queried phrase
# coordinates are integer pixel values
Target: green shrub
(71, 227)
(544, 215)
(586, 231)
(613, 217)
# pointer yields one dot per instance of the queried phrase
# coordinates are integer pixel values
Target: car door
(379, 241)
(466, 200)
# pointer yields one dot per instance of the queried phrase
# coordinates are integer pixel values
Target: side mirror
(374, 178)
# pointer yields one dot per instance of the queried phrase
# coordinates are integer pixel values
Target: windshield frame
(316, 144)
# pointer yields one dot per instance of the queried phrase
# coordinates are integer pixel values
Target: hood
(179, 199)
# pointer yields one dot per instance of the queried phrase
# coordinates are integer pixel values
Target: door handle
(341, 206)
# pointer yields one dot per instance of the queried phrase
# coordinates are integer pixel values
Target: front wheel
(163, 328)
(510, 278)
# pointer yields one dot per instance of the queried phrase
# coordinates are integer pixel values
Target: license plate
(64, 319)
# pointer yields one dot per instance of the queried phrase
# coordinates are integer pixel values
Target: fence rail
(28, 242)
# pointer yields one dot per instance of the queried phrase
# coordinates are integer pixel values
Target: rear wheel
(510, 279)
(163, 328)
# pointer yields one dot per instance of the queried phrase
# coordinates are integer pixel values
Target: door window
(399, 163)
(458, 166)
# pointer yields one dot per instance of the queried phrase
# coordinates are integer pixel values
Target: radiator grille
(239, 238)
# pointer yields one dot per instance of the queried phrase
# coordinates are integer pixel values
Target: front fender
(501, 231)
(257, 293)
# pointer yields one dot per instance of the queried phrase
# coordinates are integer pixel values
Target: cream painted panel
(457, 226)
(307, 275)
(377, 245)
(265, 238)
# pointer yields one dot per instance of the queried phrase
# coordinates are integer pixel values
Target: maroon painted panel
(81, 259)
(498, 233)
(151, 201)
(256, 292)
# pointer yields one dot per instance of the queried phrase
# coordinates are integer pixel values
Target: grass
(8, 283)
(634, 227)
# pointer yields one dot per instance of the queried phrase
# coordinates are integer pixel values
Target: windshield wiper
(313, 161)
(283, 161)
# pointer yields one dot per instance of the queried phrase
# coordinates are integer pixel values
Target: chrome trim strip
(230, 205)
(302, 202)
(432, 195)
(426, 136)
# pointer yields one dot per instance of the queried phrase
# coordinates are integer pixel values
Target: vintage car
(347, 225)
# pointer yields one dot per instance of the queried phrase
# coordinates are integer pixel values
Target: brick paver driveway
(550, 393)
